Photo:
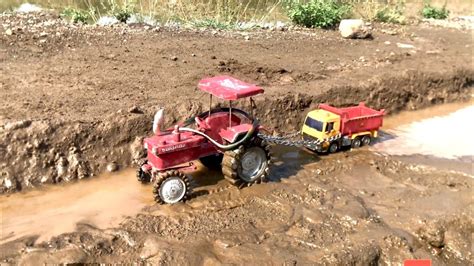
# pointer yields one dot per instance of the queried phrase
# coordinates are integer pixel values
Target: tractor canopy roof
(228, 88)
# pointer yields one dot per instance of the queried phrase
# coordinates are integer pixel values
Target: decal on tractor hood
(173, 148)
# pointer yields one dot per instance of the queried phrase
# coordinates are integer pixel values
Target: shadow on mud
(287, 161)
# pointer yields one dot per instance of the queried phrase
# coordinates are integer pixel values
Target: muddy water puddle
(440, 131)
(106, 201)
(53, 210)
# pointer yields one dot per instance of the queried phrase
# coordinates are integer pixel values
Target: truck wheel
(213, 161)
(172, 187)
(366, 140)
(356, 143)
(334, 147)
(142, 176)
(247, 165)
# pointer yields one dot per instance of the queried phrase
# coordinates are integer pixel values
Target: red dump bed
(356, 119)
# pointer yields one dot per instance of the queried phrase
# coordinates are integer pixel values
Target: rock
(387, 42)
(174, 58)
(287, 79)
(135, 110)
(27, 8)
(43, 34)
(433, 234)
(151, 247)
(390, 32)
(354, 29)
(107, 21)
(213, 57)
(7, 183)
(224, 243)
(17, 125)
(9, 32)
(405, 46)
(247, 38)
(112, 167)
(281, 26)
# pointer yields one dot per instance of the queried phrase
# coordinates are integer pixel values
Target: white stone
(107, 21)
(112, 167)
(7, 183)
(354, 28)
(405, 46)
(27, 8)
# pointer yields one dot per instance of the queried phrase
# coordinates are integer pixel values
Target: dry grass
(182, 10)
(223, 11)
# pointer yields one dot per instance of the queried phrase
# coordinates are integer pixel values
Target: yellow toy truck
(335, 128)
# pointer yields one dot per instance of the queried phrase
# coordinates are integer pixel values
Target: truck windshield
(315, 124)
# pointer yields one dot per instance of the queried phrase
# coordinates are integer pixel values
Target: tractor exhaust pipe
(158, 121)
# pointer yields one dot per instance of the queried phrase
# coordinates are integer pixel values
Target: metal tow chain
(288, 140)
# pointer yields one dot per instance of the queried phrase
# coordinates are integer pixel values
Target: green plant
(434, 12)
(317, 13)
(391, 14)
(76, 15)
(122, 11)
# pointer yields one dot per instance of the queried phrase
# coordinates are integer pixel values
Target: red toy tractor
(220, 137)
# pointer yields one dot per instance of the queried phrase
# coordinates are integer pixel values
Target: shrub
(76, 15)
(317, 13)
(122, 11)
(434, 12)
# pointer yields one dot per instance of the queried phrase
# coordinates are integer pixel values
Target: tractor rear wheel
(247, 165)
(172, 187)
(213, 161)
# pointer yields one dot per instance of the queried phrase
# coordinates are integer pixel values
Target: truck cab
(321, 124)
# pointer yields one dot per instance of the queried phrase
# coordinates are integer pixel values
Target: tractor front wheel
(247, 165)
(141, 175)
(172, 187)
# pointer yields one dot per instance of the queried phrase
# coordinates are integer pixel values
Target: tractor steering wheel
(200, 123)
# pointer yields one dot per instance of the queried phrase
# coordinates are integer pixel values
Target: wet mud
(77, 103)
(355, 206)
